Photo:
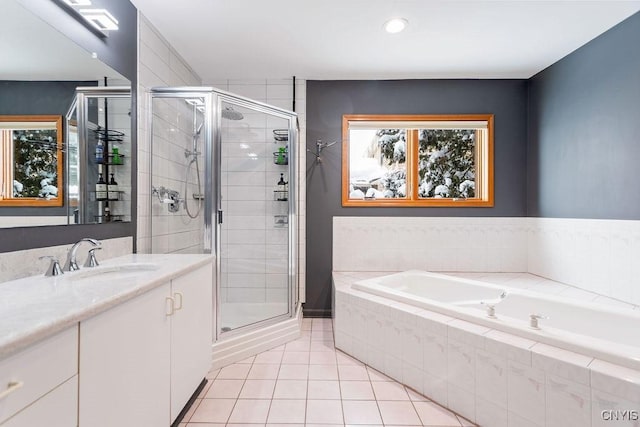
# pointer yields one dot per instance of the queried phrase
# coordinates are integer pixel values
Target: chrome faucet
(54, 266)
(72, 264)
(533, 320)
(491, 309)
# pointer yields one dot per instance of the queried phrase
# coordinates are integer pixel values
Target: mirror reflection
(42, 181)
(31, 161)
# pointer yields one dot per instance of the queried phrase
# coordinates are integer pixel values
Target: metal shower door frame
(213, 213)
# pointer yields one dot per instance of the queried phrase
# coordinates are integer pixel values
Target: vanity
(124, 343)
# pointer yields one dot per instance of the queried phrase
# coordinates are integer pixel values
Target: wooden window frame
(484, 159)
(36, 201)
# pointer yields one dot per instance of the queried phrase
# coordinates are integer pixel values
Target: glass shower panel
(177, 174)
(254, 243)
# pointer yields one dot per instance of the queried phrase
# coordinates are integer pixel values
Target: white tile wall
(490, 377)
(594, 255)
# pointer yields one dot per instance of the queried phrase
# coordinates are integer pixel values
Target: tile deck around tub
(308, 382)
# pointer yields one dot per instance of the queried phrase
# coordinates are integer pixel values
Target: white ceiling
(344, 39)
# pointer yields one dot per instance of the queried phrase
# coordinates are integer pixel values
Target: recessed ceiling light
(100, 18)
(78, 2)
(395, 25)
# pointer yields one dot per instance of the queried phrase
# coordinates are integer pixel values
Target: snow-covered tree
(446, 163)
(35, 163)
(393, 144)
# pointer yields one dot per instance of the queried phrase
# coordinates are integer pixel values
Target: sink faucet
(72, 264)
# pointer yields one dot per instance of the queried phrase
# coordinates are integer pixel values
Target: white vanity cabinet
(38, 385)
(141, 361)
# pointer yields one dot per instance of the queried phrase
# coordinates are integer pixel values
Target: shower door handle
(220, 216)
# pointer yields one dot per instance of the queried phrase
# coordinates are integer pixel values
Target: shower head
(231, 114)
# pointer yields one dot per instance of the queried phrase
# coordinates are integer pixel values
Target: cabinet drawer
(58, 408)
(39, 368)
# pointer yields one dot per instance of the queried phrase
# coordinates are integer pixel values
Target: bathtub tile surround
(490, 377)
(584, 254)
(19, 264)
(309, 382)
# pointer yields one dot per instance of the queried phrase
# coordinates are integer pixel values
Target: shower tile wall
(160, 65)
(242, 249)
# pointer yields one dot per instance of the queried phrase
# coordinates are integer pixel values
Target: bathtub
(594, 330)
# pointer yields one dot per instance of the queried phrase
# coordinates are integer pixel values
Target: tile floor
(308, 382)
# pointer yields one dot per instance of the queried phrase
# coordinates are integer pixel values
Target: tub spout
(533, 320)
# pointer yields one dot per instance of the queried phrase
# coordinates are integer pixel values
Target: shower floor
(236, 314)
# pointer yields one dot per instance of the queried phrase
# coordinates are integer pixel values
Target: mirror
(40, 80)
(31, 162)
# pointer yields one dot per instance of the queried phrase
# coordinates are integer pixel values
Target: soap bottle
(100, 151)
(116, 159)
(101, 188)
(112, 189)
(107, 214)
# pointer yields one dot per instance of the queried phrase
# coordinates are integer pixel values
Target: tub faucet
(533, 320)
(491, 309)
(72, 264)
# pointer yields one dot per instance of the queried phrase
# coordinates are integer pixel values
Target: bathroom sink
(111, 272)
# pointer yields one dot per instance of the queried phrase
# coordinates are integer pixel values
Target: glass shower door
(256, 204)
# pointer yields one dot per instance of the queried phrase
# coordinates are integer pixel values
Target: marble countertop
(35, 308)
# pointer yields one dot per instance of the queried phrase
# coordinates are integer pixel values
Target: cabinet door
(191, 334)
(124, 364)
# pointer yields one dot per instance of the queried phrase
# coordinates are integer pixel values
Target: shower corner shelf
(109, 160)
(280, 221)
(92, 197)
(281, 158)
(280, 195)
(281, 135)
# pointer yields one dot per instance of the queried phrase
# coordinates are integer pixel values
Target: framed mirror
(31, 172)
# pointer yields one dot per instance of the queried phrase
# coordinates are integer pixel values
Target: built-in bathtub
(611, 334)
(431, 332)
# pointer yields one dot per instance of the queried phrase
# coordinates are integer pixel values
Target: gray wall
(119, 51)
(34, 98)
(327, 101)
(584, 130)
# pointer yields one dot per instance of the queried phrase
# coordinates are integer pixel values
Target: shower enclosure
(223, 182)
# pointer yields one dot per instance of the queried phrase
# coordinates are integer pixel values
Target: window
(417, 160)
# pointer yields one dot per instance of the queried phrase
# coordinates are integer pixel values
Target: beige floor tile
(321, 335)
(203, 425)
(212, 374)
(247, 360)
(296, 358)
(263, 372)
(389, 391)
(287, 411)
(298, 345)
(398, 413)
(250, 411)
(258, 389)
(377, 375)
(191, 410)
(323, 372)
(356, 390)
(319, 389)
(322, 346)
(344, 359)
(269, 357)
(293, 372)
(434, 415)
(415, 396)
(465, 422)
(213, 411)
(361, 412)
(284, 425)
(352, 373)
(290, 389)
(322, 358)
(324, 412)
(237, 371)
(229, 389)
(321, 323)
